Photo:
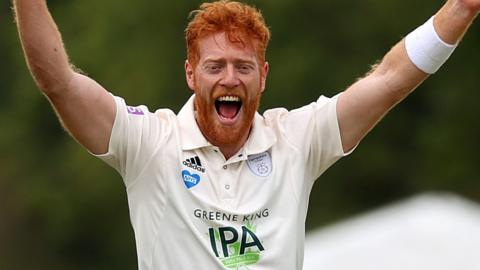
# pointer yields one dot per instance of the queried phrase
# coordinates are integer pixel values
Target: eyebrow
(222, 60)
(214, 60)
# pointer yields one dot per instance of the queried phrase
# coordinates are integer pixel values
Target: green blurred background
(61, 208)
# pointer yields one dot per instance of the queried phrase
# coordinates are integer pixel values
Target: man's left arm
(365, 102)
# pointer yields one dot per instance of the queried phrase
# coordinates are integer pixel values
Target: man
(218, 181)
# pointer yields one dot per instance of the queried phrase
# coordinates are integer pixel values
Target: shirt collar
(260, 139)
(192, 137)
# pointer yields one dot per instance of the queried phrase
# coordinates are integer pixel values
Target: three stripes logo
(194, 163)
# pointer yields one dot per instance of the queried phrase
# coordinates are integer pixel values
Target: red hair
(241, 23)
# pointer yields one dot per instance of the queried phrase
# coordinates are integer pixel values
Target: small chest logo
(260, 164)
(135, 110)
(190, 179)
(194, 163)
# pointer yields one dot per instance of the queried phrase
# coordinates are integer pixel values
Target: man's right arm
(85, 108)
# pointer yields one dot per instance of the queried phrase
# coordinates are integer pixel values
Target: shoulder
(322, 107)
(141, 111)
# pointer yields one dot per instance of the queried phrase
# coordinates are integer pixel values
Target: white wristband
(425, 48)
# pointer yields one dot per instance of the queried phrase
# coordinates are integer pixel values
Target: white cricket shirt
(192, 209)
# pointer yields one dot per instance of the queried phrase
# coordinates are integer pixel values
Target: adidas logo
(194, 163)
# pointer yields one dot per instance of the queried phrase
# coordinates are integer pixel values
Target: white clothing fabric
(192, 209)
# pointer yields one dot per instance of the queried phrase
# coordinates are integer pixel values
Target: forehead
(219, 47)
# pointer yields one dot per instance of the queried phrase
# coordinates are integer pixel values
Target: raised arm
(365, 102)
(84, 107)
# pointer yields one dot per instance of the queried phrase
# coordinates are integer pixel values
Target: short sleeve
(136, 135)
(314, 130)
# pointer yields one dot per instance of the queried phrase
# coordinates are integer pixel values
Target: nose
(230, 78)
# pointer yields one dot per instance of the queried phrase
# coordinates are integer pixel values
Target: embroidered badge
(260, 164)
(190, 180)
(134, 110)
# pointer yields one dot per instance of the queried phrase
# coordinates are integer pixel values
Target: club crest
(260, 164)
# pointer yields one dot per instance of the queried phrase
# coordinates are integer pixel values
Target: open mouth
(228, 106)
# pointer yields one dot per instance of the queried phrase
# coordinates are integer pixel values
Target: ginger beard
(209, 110)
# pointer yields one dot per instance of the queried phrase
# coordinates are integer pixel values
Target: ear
(189, 74)
(263, 75)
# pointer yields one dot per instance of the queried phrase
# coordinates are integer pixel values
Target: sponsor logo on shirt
(190, 179)
(194, 163)
(135, 110)
(236, 248)
(260, 164)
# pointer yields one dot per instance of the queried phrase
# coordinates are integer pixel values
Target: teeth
(229, 98)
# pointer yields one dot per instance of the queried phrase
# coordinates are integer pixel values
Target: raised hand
(472, 5)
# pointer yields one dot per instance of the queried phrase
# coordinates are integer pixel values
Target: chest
(244, 183)
(237, 212)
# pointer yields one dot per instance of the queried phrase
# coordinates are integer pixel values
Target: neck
(229, 150)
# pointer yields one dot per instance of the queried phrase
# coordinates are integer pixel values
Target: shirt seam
(147, 163)
(298, 152)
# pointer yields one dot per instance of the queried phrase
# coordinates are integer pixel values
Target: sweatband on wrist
(426, 49)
